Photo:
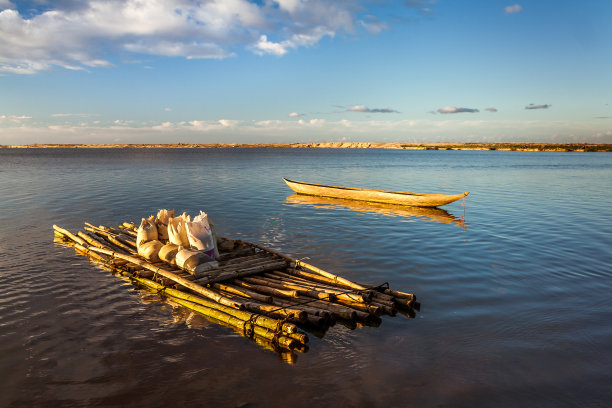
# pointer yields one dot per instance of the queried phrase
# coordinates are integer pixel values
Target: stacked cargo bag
(161, 221)
(177, 230)
(201, 236)
(147, 244)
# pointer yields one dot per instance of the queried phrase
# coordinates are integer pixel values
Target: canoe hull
(378, 196)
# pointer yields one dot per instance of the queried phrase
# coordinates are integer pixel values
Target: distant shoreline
(548, 147)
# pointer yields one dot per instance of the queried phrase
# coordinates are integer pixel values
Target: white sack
(147, 231)
(200, 234)
(150, 250)
(177, 232)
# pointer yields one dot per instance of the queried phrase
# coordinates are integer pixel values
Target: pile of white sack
(189, 244)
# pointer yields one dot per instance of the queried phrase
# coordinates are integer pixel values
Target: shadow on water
(389, 210)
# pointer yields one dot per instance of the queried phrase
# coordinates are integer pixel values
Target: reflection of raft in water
(392, 210)
(378, 196)
(263, 294)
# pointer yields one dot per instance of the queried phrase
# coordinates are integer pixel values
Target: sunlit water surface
(515, 286)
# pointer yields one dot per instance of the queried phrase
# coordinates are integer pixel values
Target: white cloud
(21, 131)
(263, 46)
(513, 9)
(14, 119)
(78, 115)
(87, 34)
(365, 109)
(451, 109)
(295, 115)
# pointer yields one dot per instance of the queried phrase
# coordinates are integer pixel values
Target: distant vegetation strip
(548, 147)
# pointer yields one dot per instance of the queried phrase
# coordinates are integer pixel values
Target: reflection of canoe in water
(377, 196)
(391, 210)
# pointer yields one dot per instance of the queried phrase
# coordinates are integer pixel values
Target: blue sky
(281, 71)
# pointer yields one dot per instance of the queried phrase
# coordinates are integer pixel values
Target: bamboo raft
(264, 295)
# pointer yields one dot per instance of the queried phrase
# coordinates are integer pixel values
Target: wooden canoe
(378, 196)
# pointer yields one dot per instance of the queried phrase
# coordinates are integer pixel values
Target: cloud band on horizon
(532, 106)
(451, 109)
(365, 109)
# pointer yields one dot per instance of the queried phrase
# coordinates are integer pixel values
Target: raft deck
(261, 293)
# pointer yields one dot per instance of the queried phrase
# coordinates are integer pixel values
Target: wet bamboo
(315, 277)
(268, 263)
(331, 276)
(270, 335)
(288, 329)
(247, 259)
(267, 290)
(263, 321)
(209, 278)
(300, 290)
(374, 310)
(307, 307)
(70, 235)
(130, 226)
(108, 236)
(121, 235)
(285, 280)
(172, 276)
(396, 294)
(280, 312)
(90, 240)
(246, 293)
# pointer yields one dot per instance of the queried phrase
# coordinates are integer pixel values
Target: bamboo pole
(246, 293)
(70, 235)
(172, 276)
(209, 278)
(267, 290)
(262, 326)
(263, 321)
(108, 236)
(299, 290)
(90, 240)
(270, 335)
(286, 280)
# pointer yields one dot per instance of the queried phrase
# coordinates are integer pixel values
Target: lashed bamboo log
(172, 276)
(268, 290)
(279, 312)
(237, 274)
(270, 335)
(290, 281)
(334, 278)
(301, 290)
(246, 293)
(315, 277)
(112, 239)
(308, 308)
(70, 235)
(260, 320)
(90, 240)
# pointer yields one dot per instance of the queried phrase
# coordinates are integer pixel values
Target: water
(515, 286)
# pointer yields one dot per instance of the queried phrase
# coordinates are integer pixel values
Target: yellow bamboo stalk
(172, 276)
(263, 321)
(70, 235)
(242, 292)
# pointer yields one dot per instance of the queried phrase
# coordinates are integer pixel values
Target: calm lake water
(515, 286)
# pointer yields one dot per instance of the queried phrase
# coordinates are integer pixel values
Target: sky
(287, 71)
